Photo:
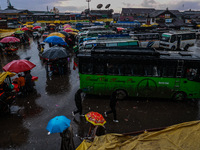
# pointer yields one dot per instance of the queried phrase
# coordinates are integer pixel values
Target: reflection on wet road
(26, 128)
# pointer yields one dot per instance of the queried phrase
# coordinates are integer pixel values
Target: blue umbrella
(58, 124)
(55, 40)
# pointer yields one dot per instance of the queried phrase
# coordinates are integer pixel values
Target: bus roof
(139, 51)
(178, 32)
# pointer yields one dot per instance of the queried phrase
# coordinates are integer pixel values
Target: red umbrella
(19, 66)
(95, 118)
(36, 27)
(24, 29)
(10, 39)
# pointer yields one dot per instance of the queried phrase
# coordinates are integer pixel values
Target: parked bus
(177, 40)
(116, 40)
(148, 39)
(140, 72)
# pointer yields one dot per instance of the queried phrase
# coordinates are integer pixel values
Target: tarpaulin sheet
(184, 136)
(4, 75)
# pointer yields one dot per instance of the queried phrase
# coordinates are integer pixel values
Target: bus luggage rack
(126, 51)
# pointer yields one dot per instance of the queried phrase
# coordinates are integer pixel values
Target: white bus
(177, 40)
(148, 39)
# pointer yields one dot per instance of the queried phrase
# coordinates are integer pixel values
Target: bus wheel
(186, 47)
(172, 48)
(179, 96)
(121, 94)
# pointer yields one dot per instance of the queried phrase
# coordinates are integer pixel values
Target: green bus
(140, 72)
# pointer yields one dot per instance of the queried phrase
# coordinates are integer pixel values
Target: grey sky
(117, 5)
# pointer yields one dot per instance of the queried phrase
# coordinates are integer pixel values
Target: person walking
(113, 101)
(78, 102)
(21, 83)
(67, 142)
(28, 81)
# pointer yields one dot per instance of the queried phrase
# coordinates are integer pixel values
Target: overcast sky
(117, 5)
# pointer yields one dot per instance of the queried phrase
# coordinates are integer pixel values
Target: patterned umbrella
(10, 39)
(95, 118)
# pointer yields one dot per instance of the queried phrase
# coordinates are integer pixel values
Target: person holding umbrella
(97, 127)
(61, 124)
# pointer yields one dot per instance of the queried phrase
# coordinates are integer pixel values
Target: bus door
(178, 41)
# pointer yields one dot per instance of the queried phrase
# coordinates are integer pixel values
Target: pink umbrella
(24, 29)
(68, 30)
(10, 39)
(36, 27)
(19, 66)
(67, 26)
(120, 29)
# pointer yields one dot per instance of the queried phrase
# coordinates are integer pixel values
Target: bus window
(165, 38)
(113, 69)
(168, 71)
(138, 70)
(156, 71)
(192, 74)
(173, 39)
(148, 69)
(87, 68)
(128, 70)
(99, 68)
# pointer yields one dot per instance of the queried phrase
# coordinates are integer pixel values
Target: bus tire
(186, 47)
(121, 94)
(173, 48)
(179, 96)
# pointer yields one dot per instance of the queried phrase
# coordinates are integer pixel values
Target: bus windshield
(165, 38)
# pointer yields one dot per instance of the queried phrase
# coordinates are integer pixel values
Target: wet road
(55, 96)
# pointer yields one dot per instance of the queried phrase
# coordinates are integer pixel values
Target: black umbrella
(64, 33)
(55, 52)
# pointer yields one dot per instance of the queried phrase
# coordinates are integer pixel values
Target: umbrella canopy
(58, 124)
(52, 24)
(29, 26)
(66, 26)
(4, 75)
(56, 34)
(73, 33)
(10, 39)
(36, 27)
(19, 66)
(55, 52)
(19, 32)
(68, 30)
(55, 40)
(64, 33)
(24, 29)
(73, 30)
(95, 118)
(120, 29)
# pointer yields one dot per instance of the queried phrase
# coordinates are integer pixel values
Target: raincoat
(67, 139)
